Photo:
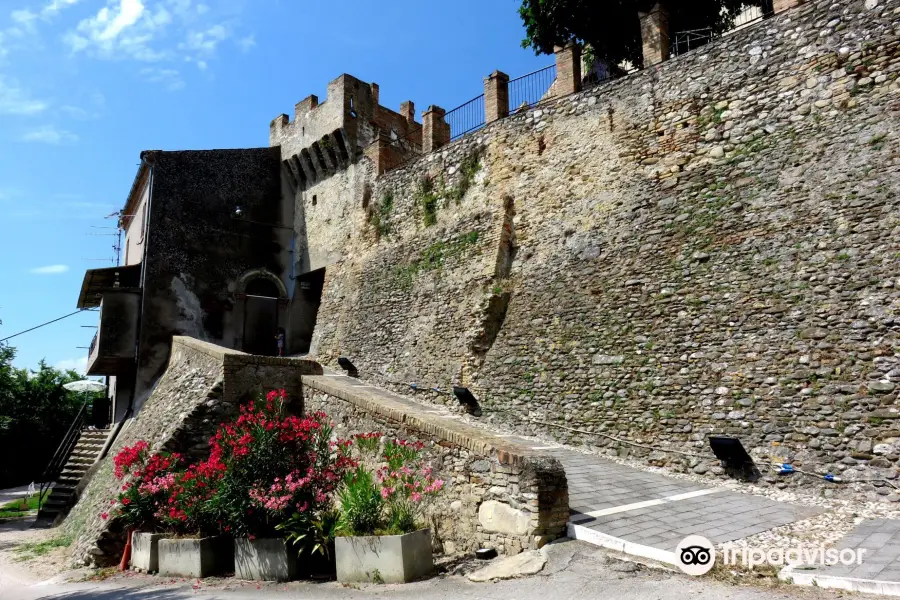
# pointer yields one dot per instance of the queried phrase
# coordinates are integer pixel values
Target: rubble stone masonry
(203, 386)
(496, 494)
(707, 246)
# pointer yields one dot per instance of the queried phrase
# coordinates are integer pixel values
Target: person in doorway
(279, 338)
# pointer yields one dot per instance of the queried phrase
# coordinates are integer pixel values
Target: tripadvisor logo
(696, 555)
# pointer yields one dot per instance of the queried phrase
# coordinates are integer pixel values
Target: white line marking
(579, 532)
(543, 448)
(636, 505)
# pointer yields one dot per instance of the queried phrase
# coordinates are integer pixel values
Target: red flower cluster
(129, 456)
(150, 476)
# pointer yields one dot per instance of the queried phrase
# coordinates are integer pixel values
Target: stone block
(267, 559)
(145, 551)
(199, 557)
(384, 558)
(502, 518)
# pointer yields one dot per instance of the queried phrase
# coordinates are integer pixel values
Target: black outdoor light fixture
(348, 366)
(732, 454)
(466, 398)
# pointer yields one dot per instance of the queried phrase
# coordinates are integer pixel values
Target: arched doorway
(261, 315)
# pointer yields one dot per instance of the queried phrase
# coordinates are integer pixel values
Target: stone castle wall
(496, 494)
(709, 246)
(203, 386)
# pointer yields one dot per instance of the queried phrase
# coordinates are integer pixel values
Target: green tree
(611, 27)
(35, 414)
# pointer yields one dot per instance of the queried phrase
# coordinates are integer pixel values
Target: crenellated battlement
(324, 137)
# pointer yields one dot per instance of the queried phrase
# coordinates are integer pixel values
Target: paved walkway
(634, 511)
(648, 513)
(879, 570)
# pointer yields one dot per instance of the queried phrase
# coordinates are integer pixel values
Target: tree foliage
(612, 28)
(35, 414)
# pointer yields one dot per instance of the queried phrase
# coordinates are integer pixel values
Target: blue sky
(85, 85)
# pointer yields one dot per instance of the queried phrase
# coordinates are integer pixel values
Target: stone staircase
(62, 496)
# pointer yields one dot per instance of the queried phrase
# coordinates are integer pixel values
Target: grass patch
(20, 508)
(29, 550)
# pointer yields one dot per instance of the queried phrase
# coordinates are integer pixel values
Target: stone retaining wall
(203, 385)
(707, 246)
(497, 494)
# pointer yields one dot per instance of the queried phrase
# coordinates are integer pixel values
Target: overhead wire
(81, 310)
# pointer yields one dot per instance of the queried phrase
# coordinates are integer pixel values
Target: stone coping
(403, 411)
(230, 357)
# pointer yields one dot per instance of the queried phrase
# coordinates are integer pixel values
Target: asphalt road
(574, 570)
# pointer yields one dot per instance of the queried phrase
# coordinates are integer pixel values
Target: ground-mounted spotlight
(348, 366)
(469, 401)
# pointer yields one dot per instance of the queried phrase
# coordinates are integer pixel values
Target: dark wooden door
(261, 325)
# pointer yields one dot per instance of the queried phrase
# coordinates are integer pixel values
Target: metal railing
(58, 462)
(466, 117)
(748, 16)
(528, 90)
(685, 41)
(93, 345)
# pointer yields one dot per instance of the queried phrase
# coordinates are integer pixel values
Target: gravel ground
(19, 565)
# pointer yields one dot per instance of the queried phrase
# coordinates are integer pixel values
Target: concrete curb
(579, 532)
(850, 584)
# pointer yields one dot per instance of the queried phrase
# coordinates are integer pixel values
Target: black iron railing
(528, 90)
(685, 41)
(58, 462)
(466, 117)
(93, 344)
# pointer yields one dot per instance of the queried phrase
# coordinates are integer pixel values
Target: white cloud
(170, 78)
(122, 29)
(50, 270)
(16, 101)
(48, 134)
(55, 6)
(245, 44)
(76, 364)
(205, 42)
(23, 17)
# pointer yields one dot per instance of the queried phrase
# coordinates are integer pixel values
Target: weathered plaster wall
(707, 246)
(496, 494)
(198, 249)
(202, 386)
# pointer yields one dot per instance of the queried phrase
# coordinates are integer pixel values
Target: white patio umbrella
(85, 385)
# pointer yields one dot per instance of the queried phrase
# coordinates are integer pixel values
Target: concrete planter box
(269, 559)
(384, 558)
(145, 551)
(196, 557)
